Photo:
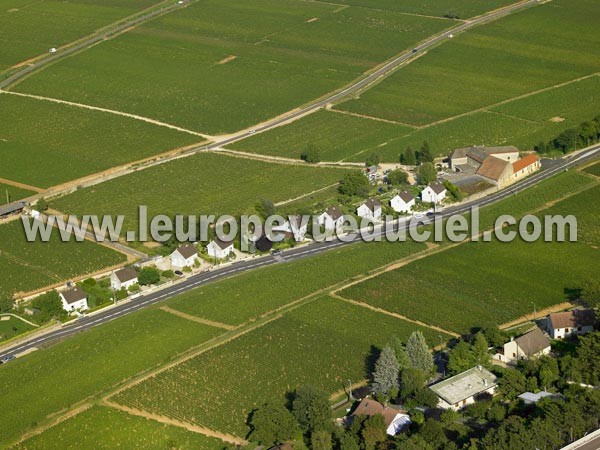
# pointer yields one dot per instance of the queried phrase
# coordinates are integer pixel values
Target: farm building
(525, 167)
(123, 278)
(73, 299)
(395, 420)
(184, 256)
(403, 202)
(434, 193)
(461, 390)
(371, 209)
(462, 158)
(569, 323)
(219, 249)
(332, 218)
(530, 345)
(12, 208)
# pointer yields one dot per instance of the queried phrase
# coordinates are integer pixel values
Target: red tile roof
(524, 162)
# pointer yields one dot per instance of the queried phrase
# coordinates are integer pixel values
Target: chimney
(485, 382)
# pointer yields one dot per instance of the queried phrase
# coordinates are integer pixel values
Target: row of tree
(585, 134)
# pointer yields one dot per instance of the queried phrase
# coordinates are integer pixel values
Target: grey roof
(530, 397)
(533, 342)
(480, 152)
(187, 250)
(222, 244)
(12, 208)
(126, 274)
(334, 212)
(372, 204)
(406, 196)
(437, 187)
(74, 295)
(464, 385)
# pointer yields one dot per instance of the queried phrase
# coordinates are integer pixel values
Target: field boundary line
(375, 118)
(510, 116)
(21, 185)
(197, 319)
(544, 312)
(280, 159)
(300, 197)
(108, 111)
(175, 422)
(395, 315)
(20, 318)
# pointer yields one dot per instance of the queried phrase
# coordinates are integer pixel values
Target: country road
(551, 167)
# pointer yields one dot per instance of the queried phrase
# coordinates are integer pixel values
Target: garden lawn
(205, 183)
(28, 29)
(46, 143)
(12, 327)
(27, 266)
(324, 343)
(226, 66)
(105, 428)
(89, 363)
(249, 295)
(14, 193)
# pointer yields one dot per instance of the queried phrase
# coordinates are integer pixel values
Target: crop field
(237, 300)
(320, 343)
(337, 136)
(229, 65)
(484, 284)
(14, 193)
(205, 183)
(47, 143)
(594, 170)
(104, 428)
(28, 29)
(26, 266)
(91, 362)
(12, 327)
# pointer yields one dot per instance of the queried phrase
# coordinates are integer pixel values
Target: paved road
(203, 278)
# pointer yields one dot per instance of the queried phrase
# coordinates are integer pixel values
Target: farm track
(197, 319)
(27, 187)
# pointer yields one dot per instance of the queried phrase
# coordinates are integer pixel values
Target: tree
(512, 383)
(397, 177)
(424, 154)
(354, 183)
(408, 158)
(495, 336)
(401, 356)
(548, 371)
(311, 154)
(272, 424)
(148, 276)
(41, 205)
(426, 173)
(373, 160)
(454, 191)
(418, 352)
(460, 358)
(348, 442)
(385, 376)
(265, 208)
(411, 380)
(590, 294)
(311, 409)
(6, 303)
(481, 354)
(567, 140)
(373, 432)
(320, 440)
(587, 358)
(49, 306)
(496, 412)
(433, 433)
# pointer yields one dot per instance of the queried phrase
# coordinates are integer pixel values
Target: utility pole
(534, 311)
(7, 197)
(349, 390)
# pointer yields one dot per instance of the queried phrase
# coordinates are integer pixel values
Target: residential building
(532, 344)
(332, 218)
(569, 323)
(434, 193)
(123, 278)
(463, 158)
(219, 249)
(497, 171)
(530, 398)
(395, 419)
(371, 209)
(461, 390)
(526, 166)
(73, 299)
(403, 202)
(294, 227)
(184, 256)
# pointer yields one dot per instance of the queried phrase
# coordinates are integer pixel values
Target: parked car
(276, 253)
(7, 359)
(179, 273)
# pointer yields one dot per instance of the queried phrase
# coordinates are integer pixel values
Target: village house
(403, 202)
(526, 166)
(569, 323)
(473, 157)
(73, 299)
(293, 227)
(395, 419)
(219, 249)
(123, 278)
(331, 219)
(434, 193)
(371, 209)
(184, 256)
(463, 389)
(530, 345)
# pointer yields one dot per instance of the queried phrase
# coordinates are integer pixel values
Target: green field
(283, 58)
(324, 343)
(28, 29)
(47, 143)
(204, 183)
(12, 327)
(14, 193)
(249, 295)
(485, 284)
(594, 170)
(104, 428)
(47, 381)
(26, 266)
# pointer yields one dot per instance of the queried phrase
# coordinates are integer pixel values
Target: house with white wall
(434, 193)
(219, 249)
(569, 323)
(403, 202)
(371, 209)
(463, 389)
(184, 256)
(293, 227)
(532, 344)
(73, 299)
(395, 419)
(332, 218)
(123, 278)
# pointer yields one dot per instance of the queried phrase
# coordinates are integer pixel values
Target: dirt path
(177, 423)
(197, 319)
(109, 111)
(300, 197)
(27, 187)
(541, 313)
(20, 318)
(377, 119)
(283, 159)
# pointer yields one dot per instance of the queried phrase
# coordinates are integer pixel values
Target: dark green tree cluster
(373, 160)
(412, 157)
(465, 355)
(47, 307)
(587, 133)
(454, 191)
(426, 174)
(311, 154)
(148, 276)
(397, 177)
(354, 183)
(6, 303)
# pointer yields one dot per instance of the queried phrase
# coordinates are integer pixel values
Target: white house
(461, 390)
(332, 218)
(403, 202)
(219, 249)
(123, 278)
(577, 321)
(530, 345)
(395, 419)
(371, 209)
(526, 166)
(73, 299)
(294, 227)
(184, 256)
(434, 193)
